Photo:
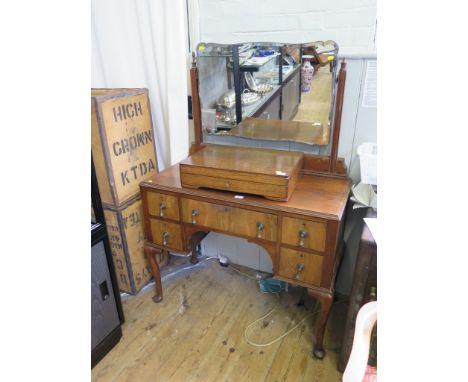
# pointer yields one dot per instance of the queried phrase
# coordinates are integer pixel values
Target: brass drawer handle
(299, 268)
(303, 234)
(165, 237)
(195, 213)
(260, 228)
(162, 207)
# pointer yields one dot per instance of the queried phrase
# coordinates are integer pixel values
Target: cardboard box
(123, 144)
(126, 232)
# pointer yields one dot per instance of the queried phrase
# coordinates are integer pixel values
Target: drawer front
(230, 219)
(163, 205)
(166, 234)
(304, 233)
(300, 266)
(243, 186)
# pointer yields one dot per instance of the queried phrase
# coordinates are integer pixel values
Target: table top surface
(315, 195)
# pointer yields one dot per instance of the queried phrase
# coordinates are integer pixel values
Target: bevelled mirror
(247, 91)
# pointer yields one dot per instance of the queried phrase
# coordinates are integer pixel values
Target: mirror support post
(338, 112)
(237, 83)
(196, 111)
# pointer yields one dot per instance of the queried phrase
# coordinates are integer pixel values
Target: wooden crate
(251, 170)
(127, 239)
(123, 145)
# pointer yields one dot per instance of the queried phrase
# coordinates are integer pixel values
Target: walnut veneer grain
(230, 219)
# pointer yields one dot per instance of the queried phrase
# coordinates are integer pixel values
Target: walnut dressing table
(301, 229)
(302, 236)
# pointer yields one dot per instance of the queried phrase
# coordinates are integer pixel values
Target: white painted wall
(351, 23)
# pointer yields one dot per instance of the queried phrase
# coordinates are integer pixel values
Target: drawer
(230, 219)
(274, 191)
(300, 266)
(166, 234)
(304, 233)
(163, 205)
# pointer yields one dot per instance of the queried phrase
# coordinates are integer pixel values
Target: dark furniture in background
(106, 307)
(364, 289)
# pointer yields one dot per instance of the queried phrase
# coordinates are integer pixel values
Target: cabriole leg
(150, 253)
(325, 300)
(196, 238)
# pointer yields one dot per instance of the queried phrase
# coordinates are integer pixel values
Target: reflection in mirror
(247, 92)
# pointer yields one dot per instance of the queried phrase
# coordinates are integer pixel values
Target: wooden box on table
(256, 171)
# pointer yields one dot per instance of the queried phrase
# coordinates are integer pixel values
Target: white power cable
(282, 335)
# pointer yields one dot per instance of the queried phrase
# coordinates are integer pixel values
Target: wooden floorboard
(197, 333)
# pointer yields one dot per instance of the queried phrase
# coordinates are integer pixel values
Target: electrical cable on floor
(268, 314)
(258, 319)
(125, 296)
(243, 273)
(282, 335)
(201, 260)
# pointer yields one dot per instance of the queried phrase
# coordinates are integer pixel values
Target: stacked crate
(124, 154)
